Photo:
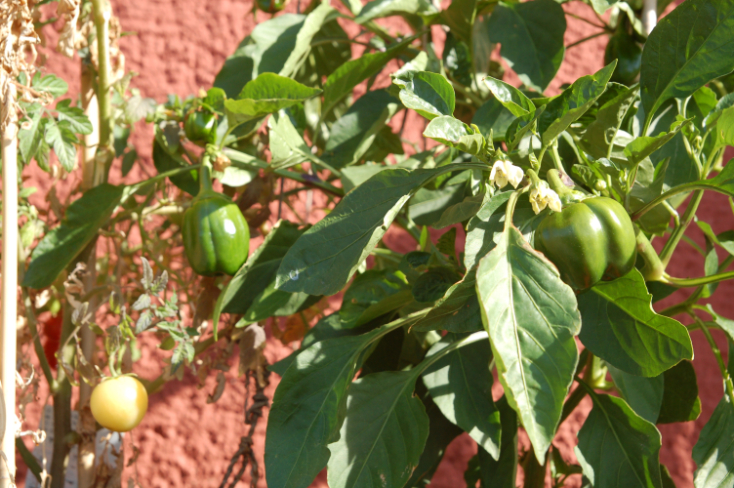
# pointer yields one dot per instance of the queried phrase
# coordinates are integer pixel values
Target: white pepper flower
(504, 172)
(541, 196)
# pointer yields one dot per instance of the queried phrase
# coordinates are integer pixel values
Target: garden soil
(177, 47)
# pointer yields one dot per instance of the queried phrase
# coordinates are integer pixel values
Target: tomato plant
(571, 202)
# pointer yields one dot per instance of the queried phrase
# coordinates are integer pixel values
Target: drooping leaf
(617, 447)
(493, 116)
(644, 146)
(312, 24)
(427, 206)
(353, 133)
(429, 94)
(460, 212)
(377, 9)
(460, 383)
(621, 327)
(383, 434)
(264, 95)
(287, 146)
(327, 255)
(643, 395)
(460, 16)
(575, 100)
(531, 35)
(454, 133)
(714, 451)
(61, 138)
(680, 395)
(531, 317)
(457, 311)
(371, 294)
(687, 49)
(80, 225)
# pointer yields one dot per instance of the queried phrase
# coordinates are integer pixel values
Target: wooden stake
(649, 15)
(9, 302)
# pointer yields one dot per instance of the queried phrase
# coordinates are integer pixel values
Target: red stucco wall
(178, 47)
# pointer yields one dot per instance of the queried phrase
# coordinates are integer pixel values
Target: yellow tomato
(120, 403)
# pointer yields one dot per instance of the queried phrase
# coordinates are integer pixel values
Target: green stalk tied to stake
(589, 240)
(215, 234)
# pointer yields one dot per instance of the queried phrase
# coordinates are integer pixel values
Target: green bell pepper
(627, 52)
(215, 234)
(588, 241)
(200, 127)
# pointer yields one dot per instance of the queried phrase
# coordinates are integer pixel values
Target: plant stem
(556, 158)
(703, 280)
(728, 385)
(654, 268)
(588, 38)
(511, 203)
(102, 12)
(677, 234)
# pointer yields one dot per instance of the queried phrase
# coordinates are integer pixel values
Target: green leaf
(79, 122)
(431, 285)
(621, 327)
(427, 206)
(688, 48)
(460, 383)
(531, 35)
(460, 16)
(327, 255)
(50, 84)
(429, 94)
(493, 116)
(259, 271)
(61, 245)
(440, 434)
(63, 140)
(165, 161)
(287, 147)
(454, 133)
(457, 311)
(643, 395)
(644, 146)
(265, 50)
(29, 140)
(355, 132)
(377, 9)
(264, 95)
(341, 82)
(714, 451)
(128, 160)
(617, 448)
(312, 24)
(666, 478)
(601, 6)
(502, 472)
(567, 107)
(599, 136)
(532, 318)
(680, 396)
(383, 434)
(510, 97)
(276, 303)
(460, 212)
(368, 290)
(308, 408)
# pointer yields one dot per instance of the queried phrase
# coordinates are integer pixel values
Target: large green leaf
(599, 137)
(287, 146)
(308, 407)
(714, 451)
(493, 116)
(460, 383)
(687, 49)
(460, 16)
(80, 224)
(532, 318)
(531, 35)
(644, 395)
(312, 24)
(429, 94)
(354, 132)
(383, 434)
(618, 448)
(621, 327)
(327, 255)
(264, 95)
(371, 294)
(341, 82)
(575, 100)
(644, 146)
(427, 206)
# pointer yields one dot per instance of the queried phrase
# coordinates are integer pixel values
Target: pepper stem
(653, 269)
(205, 174)
(557, 185)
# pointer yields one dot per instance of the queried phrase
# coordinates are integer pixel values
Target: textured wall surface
(177, 46)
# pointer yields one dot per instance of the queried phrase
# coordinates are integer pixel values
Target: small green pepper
(200, 127)
(215, 234)
(589, 241)
(627, 52)
(271, 6)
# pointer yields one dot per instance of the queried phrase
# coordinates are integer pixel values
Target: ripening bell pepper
(588, 241)
(215, 234)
